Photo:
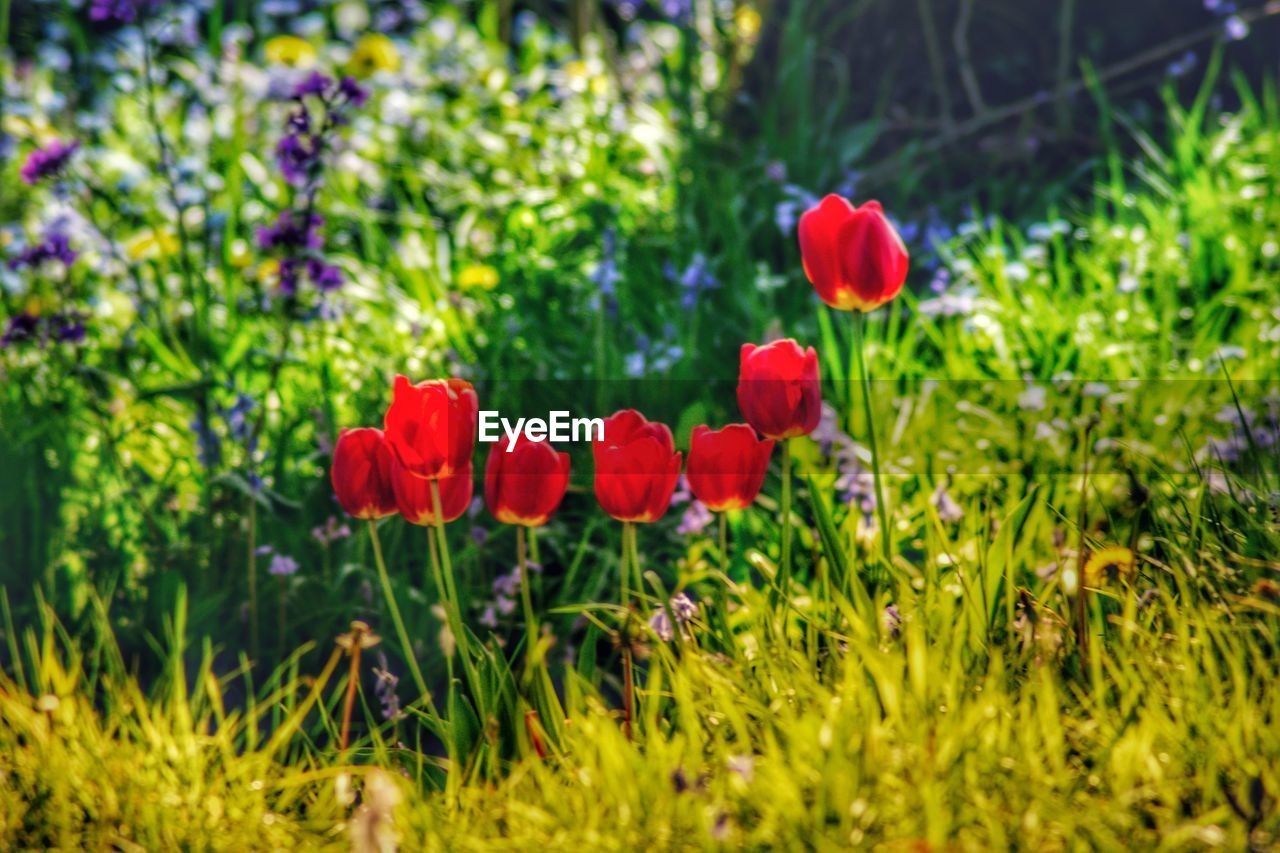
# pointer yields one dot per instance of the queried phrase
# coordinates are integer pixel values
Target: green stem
(530, 620)
(624, 571)
(401, 634)
(724, 543)
(635, 561)
(722, 588)
(784, 576)
(452, 605)
(859, 343)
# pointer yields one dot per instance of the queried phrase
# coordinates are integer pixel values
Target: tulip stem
(624, 571)
(784, 576)
(859, 343)
(453, 608)
(724, 543)
(722, 588)
(530, 620)
(635, 561)
(401, 634)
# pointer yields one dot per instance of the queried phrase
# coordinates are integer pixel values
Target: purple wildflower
(48, 162)
(113, 11)
(891, 620)
(693, 280)
(353, 91)
(948, 510)
(330, 532)
(385, 688)
(288, 232)
(681, 608)
(21, 327)
(296, 154)
(67, 328)
(607, 276)
(54, 247)
(314, 83)
(208, 445)
(324, 276)
(695, 518)
(283, 566)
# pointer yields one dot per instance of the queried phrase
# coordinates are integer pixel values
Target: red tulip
(853, 256)
(727, 466)
(778, 389)
(525, 485)
(431, 426)
(636, 467)
(361, 473)
(413, 495)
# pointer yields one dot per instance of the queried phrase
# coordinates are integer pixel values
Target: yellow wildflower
(151, 243)
(374, 52)
(478, 276)
(747, 21)
(1110, 564)
(269, 271)
(289, 50)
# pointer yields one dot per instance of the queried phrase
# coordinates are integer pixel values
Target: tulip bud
(726, 467)
(636, 467)
(525, 485)
(361, 473)
(853, 256)
(431, 426)
(778, 389)
(414, 500)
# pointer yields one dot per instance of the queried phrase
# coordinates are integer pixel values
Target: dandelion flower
(1110, 564)
(374, 52)
(478, 277)
(289, 50)
(151, 243)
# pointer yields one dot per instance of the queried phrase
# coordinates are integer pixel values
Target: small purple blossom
(606, 276)
(325, 277)
(695, 519)
(48, 162)
(331, 531)
(314, 83)
(353, 91)
(693, 280)
(287, 232)
(385, 688)
(891, 621)
(54, 247)
(113, 11)
(949, 512)
(67, 328)
(1236, 28)
(283, 566)
(682, 608)
(21, 327)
